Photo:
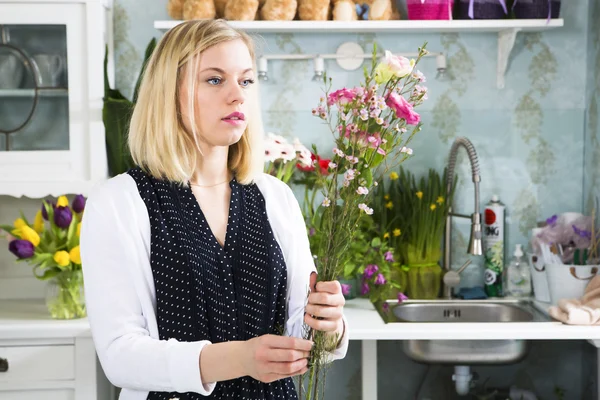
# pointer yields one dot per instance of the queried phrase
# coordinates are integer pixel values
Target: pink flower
(402, 108)
(364, 289)
(341, 97)
(389, 256)
(402, 297)
(380, 280)
(346, 289)
(370, 270)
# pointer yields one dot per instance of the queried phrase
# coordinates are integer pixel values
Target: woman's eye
(214, 81)
(247, 82)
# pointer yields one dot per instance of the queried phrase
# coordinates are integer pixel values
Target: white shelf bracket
(506, 42)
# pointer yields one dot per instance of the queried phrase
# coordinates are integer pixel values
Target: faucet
(475, 245)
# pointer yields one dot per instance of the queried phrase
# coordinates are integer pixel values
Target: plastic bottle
(493, 241)
(518, 275)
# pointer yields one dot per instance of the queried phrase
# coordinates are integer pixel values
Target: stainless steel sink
(466, 311)
(461, 311)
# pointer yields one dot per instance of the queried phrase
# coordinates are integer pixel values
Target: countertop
(29, 319)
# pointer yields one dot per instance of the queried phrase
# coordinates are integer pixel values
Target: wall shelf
(506, 29)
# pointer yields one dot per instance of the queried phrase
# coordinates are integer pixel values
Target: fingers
(326, 312)
(287, 342)
(332, 287)
(313, 281)
(326, 299)
(280, 355)
(287, 368)
(324, 325)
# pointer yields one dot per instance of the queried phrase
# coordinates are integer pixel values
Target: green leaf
(7, 228)
(376, 242)
(47, 274)
(71, 234)
(349, 269)
(24, 218)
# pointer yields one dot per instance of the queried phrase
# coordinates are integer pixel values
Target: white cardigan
(120, 295)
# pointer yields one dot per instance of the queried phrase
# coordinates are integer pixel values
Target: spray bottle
(493, 246)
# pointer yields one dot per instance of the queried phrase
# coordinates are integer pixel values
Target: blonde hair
(157, 139)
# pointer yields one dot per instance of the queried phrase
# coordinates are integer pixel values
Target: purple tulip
(63, 217)
(364, 289)
(346, 289)
(389, 256)
(402, 297)
(370, 271)
(21, 248)
(78, 203)
(44, 213)
(380, 280)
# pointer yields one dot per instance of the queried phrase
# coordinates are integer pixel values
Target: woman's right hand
(270, 357)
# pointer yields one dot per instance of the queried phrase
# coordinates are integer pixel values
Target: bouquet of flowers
(51, 245)
(370, 124)
(418, 210)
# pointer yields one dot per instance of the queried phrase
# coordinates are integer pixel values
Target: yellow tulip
(29, 234)
(397, 232)
(75, 255)
(78, 229)
(19, 223)
(38, 224)
(62, 258)
(62, 201)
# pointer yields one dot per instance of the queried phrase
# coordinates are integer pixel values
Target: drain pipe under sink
(462, 378)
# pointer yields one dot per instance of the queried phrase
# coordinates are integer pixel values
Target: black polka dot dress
(205, 291)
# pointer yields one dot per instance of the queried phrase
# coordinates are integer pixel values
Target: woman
(197, 266)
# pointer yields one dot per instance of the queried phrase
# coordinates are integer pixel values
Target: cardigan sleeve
(301, 261)
(113, 251)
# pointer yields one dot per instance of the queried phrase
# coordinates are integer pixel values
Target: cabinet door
(51, 88)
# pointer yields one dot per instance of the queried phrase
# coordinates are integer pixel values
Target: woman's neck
(212, 168)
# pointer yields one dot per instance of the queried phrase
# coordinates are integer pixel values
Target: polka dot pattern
(205, 291)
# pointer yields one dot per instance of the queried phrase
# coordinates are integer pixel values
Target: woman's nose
(236, 94)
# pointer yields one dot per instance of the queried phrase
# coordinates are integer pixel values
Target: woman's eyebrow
(222, 71)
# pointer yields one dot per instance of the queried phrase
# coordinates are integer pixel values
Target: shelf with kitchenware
(52, 138)
(506, 30)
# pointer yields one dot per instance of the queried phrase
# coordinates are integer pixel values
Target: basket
(481, 9)
(569, 281)
(536, 9)
(429, 9)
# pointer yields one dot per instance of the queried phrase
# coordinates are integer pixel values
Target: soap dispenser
(517, 280)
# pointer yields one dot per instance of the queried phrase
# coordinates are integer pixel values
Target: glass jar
(65, 296)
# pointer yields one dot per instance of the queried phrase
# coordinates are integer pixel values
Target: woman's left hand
(325, 306)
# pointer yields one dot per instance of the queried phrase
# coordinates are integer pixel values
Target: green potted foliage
(116, 115)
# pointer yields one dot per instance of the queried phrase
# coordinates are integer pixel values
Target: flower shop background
(538, 141)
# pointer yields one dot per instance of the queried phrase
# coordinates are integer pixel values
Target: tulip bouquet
(372, 124)
(51, 245)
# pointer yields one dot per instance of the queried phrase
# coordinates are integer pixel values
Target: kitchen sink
(463, 311)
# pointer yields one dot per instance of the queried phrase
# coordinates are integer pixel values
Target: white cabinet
(41, 358)
(52, 138)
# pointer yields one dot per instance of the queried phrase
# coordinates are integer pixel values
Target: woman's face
(223, 78)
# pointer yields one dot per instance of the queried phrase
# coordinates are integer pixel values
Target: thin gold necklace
(207, 186)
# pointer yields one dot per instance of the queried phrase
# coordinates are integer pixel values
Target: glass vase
(65, 296)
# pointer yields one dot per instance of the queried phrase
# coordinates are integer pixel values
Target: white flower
(338, 152)
(406, 150)
(366, 209)
(418, 75)
(332, 165)
(288, 153)
(349, 175)
(362, 190)
(375, 183)
(303, 154)
(346, 183)
(379, 121)
(326, 202)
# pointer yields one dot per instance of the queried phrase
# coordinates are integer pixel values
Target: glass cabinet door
(34, 88)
